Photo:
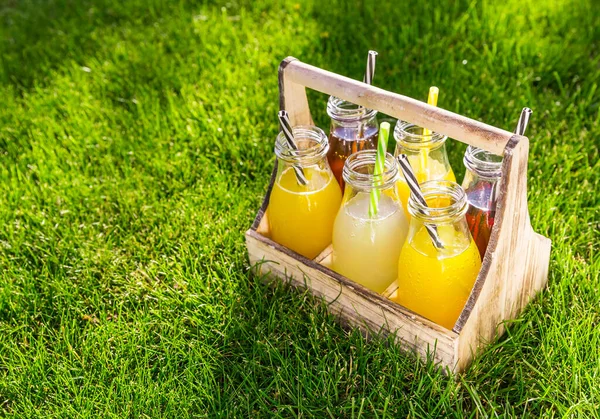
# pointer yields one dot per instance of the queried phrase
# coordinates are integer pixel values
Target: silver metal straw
(415, 190)
(370, 72)
(288, 133)
(367, 78)
(523, 121)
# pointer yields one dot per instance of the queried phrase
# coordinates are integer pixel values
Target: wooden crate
(514, 268)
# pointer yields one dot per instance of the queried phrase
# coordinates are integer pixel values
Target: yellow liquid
(301, 216)
(436, 283)
(366, 249)
(436, 171)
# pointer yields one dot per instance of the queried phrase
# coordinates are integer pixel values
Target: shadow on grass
(39, 37)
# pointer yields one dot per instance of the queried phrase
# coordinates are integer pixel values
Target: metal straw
(523, 121)
(367, 78)
(370, 73)
(288, 133)
(416, 193)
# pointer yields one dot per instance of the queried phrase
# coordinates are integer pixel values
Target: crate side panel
(354, 304)
(518, 261)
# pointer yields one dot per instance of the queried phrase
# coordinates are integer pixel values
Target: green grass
(136, 144)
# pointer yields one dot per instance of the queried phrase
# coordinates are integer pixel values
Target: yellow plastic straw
(432, 100)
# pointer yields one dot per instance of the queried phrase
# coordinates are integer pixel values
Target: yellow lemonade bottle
(436, 282)
(301, 215)
(366, 247)
(426, 152)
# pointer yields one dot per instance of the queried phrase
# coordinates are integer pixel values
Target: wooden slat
(354, 303)
(437, 119)
(325, 257)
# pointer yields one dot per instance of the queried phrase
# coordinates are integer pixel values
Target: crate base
(353, 303)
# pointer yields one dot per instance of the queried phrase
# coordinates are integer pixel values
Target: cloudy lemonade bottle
(366, 246)
(300, 215)
(436, 282)
(426, 152)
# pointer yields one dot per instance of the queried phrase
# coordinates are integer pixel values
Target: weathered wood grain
(292, 96)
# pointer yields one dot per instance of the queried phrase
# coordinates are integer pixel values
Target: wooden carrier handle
(295, 75)
(515, 266)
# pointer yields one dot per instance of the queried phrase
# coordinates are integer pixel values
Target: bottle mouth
(311, 141)
(483, 163)
(413, 137)
(344, 111)
(359, 167)
(446, 201)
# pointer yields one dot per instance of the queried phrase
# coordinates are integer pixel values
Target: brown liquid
(343, 142)
(481, 213)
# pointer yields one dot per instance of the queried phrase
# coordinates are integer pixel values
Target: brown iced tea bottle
(482, 178)
(353, 128)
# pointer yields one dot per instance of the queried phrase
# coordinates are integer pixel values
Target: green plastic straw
(384, 133)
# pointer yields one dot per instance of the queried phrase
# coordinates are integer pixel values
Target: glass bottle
(301, 216)
(426, 153)
(481, 182)
(436, 282)
(365, 246)
(353, 128)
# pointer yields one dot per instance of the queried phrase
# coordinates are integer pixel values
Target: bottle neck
(348, 114)
(483, 164)
(370, 197)
(445, 210)
(446, 203)
(411, 137)
(482, 179)
(311, 142)
(358, 172)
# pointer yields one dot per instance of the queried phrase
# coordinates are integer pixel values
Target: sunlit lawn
(135, 146)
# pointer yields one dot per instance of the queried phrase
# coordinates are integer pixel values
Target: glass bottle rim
(344, 111)
(444, 189)
(311, 141)
(355, 175)
(405, 135)
(483, 163)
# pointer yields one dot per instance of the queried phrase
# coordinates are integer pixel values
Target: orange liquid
(436, 171)
(436, 283)
(301, 216)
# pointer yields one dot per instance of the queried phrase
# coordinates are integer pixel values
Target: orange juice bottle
(301, 215)
(436, 282)
(426, 152)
